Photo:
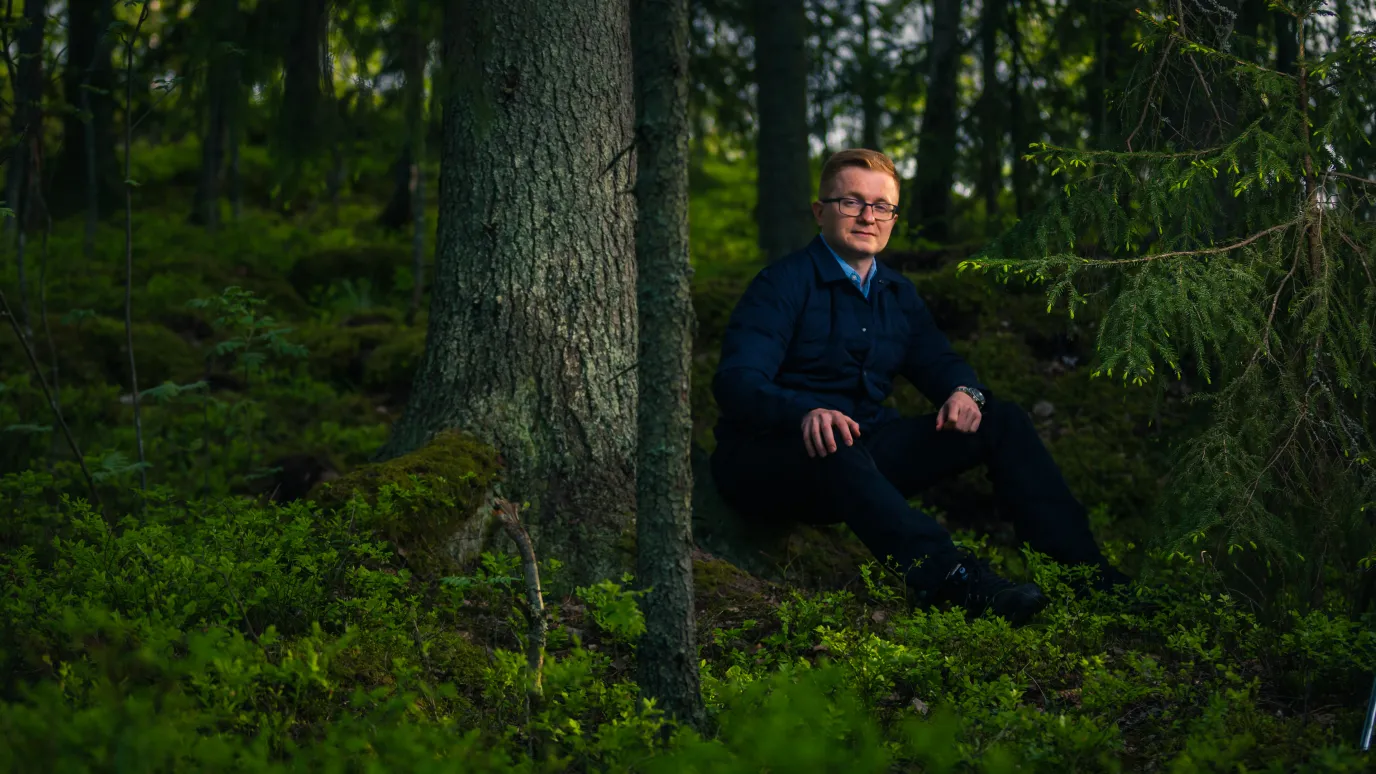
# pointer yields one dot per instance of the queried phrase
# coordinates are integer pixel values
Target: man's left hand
(959, 412)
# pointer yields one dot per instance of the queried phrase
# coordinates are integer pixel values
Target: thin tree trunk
(415, 122)
(936, 149)
(300, 117)
(8, 314)
(129, 238)
(869, 83)
(1018, 133)
(236, 186)
(821, 122)
(23, 179)
(666, 655)
(1287, 42)
(221, 95)
(398, 210)
(990, 113)
(88, 167)
(207, 209)
(531, 343)
(784, 178)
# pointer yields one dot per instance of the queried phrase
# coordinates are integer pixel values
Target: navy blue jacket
(804, 337)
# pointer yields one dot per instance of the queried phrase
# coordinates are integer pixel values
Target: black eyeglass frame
(893, 212)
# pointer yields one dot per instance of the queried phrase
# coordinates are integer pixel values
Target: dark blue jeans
(867, 486)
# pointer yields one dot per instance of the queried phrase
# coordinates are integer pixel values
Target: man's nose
(866, 214)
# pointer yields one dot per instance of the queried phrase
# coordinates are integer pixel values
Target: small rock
(919, 706)
(1043, 409)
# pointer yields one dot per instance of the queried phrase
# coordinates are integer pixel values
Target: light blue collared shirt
(863, 285)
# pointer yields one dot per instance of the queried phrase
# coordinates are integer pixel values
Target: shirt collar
(851, 273)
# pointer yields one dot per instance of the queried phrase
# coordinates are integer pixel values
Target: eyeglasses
(883, 211)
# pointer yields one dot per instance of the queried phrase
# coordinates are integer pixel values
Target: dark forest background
(296, 292)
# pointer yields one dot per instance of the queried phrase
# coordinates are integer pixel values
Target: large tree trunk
(991, 114)
(88, 170)
(936, 148)
(784, 183)
(667, 653)
(531, 344)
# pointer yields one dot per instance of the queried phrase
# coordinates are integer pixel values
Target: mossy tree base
(434, 504)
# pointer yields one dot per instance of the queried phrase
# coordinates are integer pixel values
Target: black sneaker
(977, 588)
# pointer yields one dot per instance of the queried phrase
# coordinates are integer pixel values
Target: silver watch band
(975, 394)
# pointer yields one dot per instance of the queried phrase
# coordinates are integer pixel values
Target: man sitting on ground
(810, 353)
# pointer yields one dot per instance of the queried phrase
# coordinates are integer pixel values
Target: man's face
(854, 236)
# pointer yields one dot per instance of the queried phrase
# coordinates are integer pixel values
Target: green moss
(432, 503)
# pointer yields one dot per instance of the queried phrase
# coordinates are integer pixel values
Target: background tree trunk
(1287, 42)
(301, 117)
(870, 86)
(1019, 133)
(936, 148)
(666, 655)
(88, 170)
(221, 19)
(397, 213)
(991, 114)
(531, 344)
(784, 178)
(24, 179)
(415, 128)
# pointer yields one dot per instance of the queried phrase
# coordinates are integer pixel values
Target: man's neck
(860, 262)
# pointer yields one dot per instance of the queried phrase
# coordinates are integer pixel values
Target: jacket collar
(828, 271)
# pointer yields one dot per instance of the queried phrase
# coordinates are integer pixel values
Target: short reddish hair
(857, 157)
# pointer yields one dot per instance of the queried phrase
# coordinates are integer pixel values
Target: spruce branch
(1193, 253)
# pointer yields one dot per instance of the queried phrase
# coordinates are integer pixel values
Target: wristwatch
(973, 393)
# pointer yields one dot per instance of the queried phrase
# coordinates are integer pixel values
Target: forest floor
(246, 613)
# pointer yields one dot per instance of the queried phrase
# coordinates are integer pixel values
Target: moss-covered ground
(277, 600)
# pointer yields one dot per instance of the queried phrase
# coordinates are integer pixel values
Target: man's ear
(817, 211)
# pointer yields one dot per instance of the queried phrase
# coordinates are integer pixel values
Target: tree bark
(88, 169)
(990, 113)
(936, 148)
(666, 656)
(531, 344)
(784, 177)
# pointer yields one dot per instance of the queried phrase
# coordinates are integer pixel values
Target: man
(810, 352)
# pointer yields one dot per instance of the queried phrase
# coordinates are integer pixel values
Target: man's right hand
(821, 427)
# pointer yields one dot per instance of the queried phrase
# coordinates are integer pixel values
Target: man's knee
(1001, 415)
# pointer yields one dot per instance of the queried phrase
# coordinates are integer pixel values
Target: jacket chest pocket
(815, 327)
